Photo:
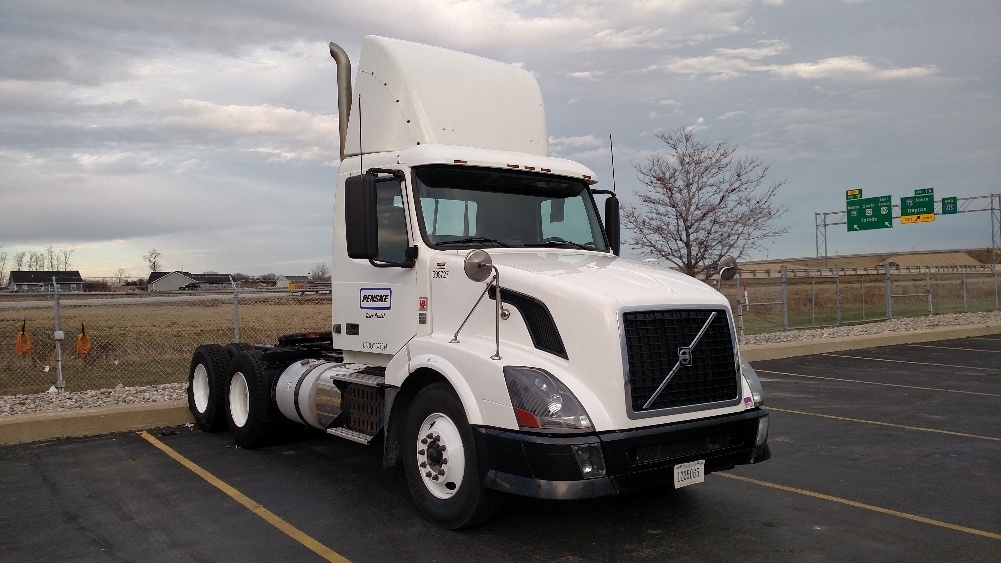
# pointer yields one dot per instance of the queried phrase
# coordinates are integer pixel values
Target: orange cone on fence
(82, 342)
(23, 341)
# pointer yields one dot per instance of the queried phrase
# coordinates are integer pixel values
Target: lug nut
(441, 472)
(428, 474)
(420, 452)
(424, 464)
(444, 460)
(424, 441)
(434, 478)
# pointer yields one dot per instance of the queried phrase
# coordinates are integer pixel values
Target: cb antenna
(611, 150)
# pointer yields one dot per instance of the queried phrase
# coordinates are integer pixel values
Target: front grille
(653, 342)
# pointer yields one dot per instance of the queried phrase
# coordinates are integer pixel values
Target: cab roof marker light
(586, 177)
(459, 162)
(546, 169)
(529, 168)
(513, 166)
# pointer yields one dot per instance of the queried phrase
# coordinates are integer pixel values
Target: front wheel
(441, 464)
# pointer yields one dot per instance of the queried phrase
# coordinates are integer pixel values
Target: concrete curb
(125, 418)
(761, 352)
(92, 422)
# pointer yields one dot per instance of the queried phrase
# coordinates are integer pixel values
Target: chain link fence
(137, 338)
(786, 299)
(140, 338)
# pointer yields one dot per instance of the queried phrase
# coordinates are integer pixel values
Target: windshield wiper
(472, 240)
(561, 242)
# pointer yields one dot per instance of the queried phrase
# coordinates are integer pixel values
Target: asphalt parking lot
(889, 453)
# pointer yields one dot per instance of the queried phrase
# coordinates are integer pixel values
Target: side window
(392, 221)
(555, 225)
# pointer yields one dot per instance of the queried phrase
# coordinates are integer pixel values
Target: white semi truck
(485, 331)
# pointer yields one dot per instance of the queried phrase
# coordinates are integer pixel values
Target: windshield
(482, 207)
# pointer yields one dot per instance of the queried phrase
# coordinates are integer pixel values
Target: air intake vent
(541, 326)
(657, 341)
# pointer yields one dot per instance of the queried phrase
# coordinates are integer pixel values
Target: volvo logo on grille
(685, 356)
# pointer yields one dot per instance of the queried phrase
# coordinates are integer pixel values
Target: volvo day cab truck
(485, 333)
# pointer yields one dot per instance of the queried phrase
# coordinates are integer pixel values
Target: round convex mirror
(478, 265)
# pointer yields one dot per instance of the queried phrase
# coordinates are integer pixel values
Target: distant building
(173, 281)
(292, 282)
(41, 282)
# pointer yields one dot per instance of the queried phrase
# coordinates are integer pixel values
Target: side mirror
(727, 268)
(478, 265)
(612, 223)
(360, 221)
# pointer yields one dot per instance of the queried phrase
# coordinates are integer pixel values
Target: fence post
(57, 335)
(889, 297)
(785, 300)
(236, 310)
(740, 307)
(928, 290)
(813, 301)
(964, 290)
(837, 293)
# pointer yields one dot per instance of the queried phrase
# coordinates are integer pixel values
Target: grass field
(141, 343)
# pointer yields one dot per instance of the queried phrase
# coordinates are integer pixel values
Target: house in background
(291, 283)
(173, 281)
(41, 282)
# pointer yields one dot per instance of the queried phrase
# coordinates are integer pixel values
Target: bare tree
(36, 261)
(152, 259)
(320, 272)
(64, 258)
(53, 259)
(121, 276)
(3, 267)
(20, 259)
(702, 202)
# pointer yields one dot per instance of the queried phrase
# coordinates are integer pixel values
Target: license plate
(689, 473)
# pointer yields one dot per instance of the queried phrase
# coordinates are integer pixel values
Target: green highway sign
(869, 213)
(949, 206)
(919, 208)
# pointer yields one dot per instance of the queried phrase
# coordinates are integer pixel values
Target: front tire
(248, 396)
(207, 387)
(440, 461)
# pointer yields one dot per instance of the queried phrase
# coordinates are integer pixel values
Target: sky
(208, 130)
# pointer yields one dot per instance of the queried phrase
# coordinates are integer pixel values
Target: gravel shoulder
(11, 405)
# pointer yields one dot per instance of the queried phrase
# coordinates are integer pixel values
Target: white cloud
(593, 75)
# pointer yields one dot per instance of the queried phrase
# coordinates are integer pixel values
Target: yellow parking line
(908, 362)
(886, 424)
(879, 509)
(270, 517)
(878, 383)
(952, 348)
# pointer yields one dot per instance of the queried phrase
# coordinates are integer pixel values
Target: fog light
(762, 431)
(590, 460)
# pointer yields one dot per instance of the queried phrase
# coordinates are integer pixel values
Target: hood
(626, 282)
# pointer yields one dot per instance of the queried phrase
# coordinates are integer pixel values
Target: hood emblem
(684, 358)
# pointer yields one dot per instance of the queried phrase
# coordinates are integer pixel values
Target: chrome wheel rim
(441, 458)
(239, 399)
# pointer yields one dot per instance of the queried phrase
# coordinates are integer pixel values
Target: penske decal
(375, 298)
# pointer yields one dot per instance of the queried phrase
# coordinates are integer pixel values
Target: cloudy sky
(209, 130)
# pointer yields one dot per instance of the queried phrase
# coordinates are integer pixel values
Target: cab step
(352, 435)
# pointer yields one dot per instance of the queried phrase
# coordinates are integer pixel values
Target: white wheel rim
(200, 388)
(239, 399)
(441, 458)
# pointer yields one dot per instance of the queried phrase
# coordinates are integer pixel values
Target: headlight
(752, 381)
(542, 402)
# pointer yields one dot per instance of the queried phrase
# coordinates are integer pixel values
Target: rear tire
(207, 387)
(248, 398)
(440, 461)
